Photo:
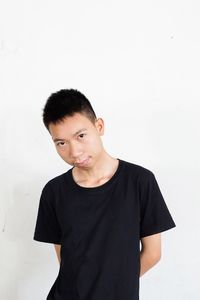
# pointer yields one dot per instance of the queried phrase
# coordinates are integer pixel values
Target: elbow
(155, 257)
(152, 258)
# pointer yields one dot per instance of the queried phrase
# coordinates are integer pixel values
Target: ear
(99, 123)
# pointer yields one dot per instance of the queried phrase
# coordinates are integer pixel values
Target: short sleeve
(154, 213)
(47, 228)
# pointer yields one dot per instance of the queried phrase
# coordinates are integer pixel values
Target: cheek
(94, 143)
(61, 151)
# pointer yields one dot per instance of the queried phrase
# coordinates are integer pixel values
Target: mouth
(83, 162)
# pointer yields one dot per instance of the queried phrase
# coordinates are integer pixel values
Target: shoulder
(56, 182)
(138, 171)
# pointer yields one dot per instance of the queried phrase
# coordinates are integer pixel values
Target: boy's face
(77, 139)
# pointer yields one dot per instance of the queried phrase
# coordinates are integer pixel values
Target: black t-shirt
(99, 229)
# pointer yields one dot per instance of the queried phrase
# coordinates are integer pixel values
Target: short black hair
(66, 102)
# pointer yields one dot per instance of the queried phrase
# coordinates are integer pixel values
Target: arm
(57, 248)
(150, 253)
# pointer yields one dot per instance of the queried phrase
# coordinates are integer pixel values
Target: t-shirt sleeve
(47, 228)
(154, 213)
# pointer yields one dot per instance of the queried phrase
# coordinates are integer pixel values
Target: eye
(81, 135)
(60, 144)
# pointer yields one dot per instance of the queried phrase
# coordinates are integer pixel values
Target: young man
(99, 212)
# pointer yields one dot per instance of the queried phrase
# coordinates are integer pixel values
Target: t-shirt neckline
(99, 188)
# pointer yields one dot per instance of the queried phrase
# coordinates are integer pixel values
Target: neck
(101, 168)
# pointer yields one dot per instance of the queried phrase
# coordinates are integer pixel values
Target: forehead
(70, 125)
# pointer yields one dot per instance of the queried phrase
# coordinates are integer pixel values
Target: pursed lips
(82, 162)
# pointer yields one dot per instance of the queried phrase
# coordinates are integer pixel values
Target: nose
(75, 151)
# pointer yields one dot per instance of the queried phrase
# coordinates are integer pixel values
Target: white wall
(138, 63)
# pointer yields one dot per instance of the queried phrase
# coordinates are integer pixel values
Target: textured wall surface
(138, 63)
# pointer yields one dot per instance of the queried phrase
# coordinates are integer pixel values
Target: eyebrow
(80, 130)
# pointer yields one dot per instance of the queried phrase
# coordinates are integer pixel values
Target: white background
(138, 62)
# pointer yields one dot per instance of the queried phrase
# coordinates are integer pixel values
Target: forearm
(58, 250)
(147, 261)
